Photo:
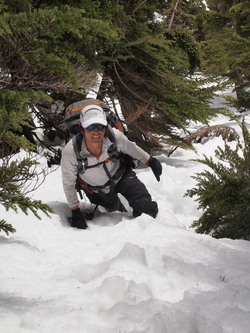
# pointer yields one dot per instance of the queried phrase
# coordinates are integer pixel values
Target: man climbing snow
(98, 158)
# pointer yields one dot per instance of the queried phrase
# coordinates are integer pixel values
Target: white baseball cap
(92, 114)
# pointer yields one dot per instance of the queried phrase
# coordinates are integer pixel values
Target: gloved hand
(78, 220)
(156, 167)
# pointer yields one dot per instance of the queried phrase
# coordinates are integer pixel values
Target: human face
(94, 134)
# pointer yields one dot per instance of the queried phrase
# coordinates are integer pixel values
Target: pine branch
(223, 193)
(7, 228)
(19, 177)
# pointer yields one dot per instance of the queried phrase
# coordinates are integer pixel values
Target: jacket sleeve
(69, 174)
(128, 147)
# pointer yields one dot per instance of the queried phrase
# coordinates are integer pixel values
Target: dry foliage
(23, 77)
(207, 133)
(140, 110)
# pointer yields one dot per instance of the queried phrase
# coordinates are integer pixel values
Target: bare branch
(170, 25)
(135, 115)
(140, 3)
(24, 172)
(205, 133)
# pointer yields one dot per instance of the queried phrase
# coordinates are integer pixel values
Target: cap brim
(95, 120)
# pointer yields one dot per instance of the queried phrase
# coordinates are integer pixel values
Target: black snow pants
(134, 191)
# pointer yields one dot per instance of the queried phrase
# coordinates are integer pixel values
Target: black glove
(156, 167)
(78, 220)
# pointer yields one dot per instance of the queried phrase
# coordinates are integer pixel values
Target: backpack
(73, 125)
(72, 121)
(73, 111)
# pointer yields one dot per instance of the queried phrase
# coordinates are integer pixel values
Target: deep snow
(124, 274)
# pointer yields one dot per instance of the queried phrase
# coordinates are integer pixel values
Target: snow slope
(124, 274)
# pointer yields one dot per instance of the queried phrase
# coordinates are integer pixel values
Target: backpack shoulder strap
(112, 150)
(83, 162)
(77, 143)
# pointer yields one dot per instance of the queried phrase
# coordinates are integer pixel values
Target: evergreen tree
(14, 116)
(150, 73)
(16, 177)
(59, 46)
(223, 193)
(16, 174)
(52, 49)
(226, 46)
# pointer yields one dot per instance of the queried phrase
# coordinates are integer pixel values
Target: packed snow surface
(124, 274)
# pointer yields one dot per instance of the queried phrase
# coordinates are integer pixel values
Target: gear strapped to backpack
(73, 111)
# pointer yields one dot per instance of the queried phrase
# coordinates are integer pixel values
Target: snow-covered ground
(124, 274)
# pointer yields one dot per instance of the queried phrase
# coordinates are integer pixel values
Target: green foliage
(52, 47)
(18, 177)
(16, 174)
(6, 227)
(187, 45)
(47, 48)
(225, 50)
(14, 116)
(224, 193)
(58, 47)
(183, 13)
(150, 72)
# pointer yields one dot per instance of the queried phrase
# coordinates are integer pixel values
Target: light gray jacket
(95, 176)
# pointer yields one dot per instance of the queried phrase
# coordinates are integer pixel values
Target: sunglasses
(92, 127)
